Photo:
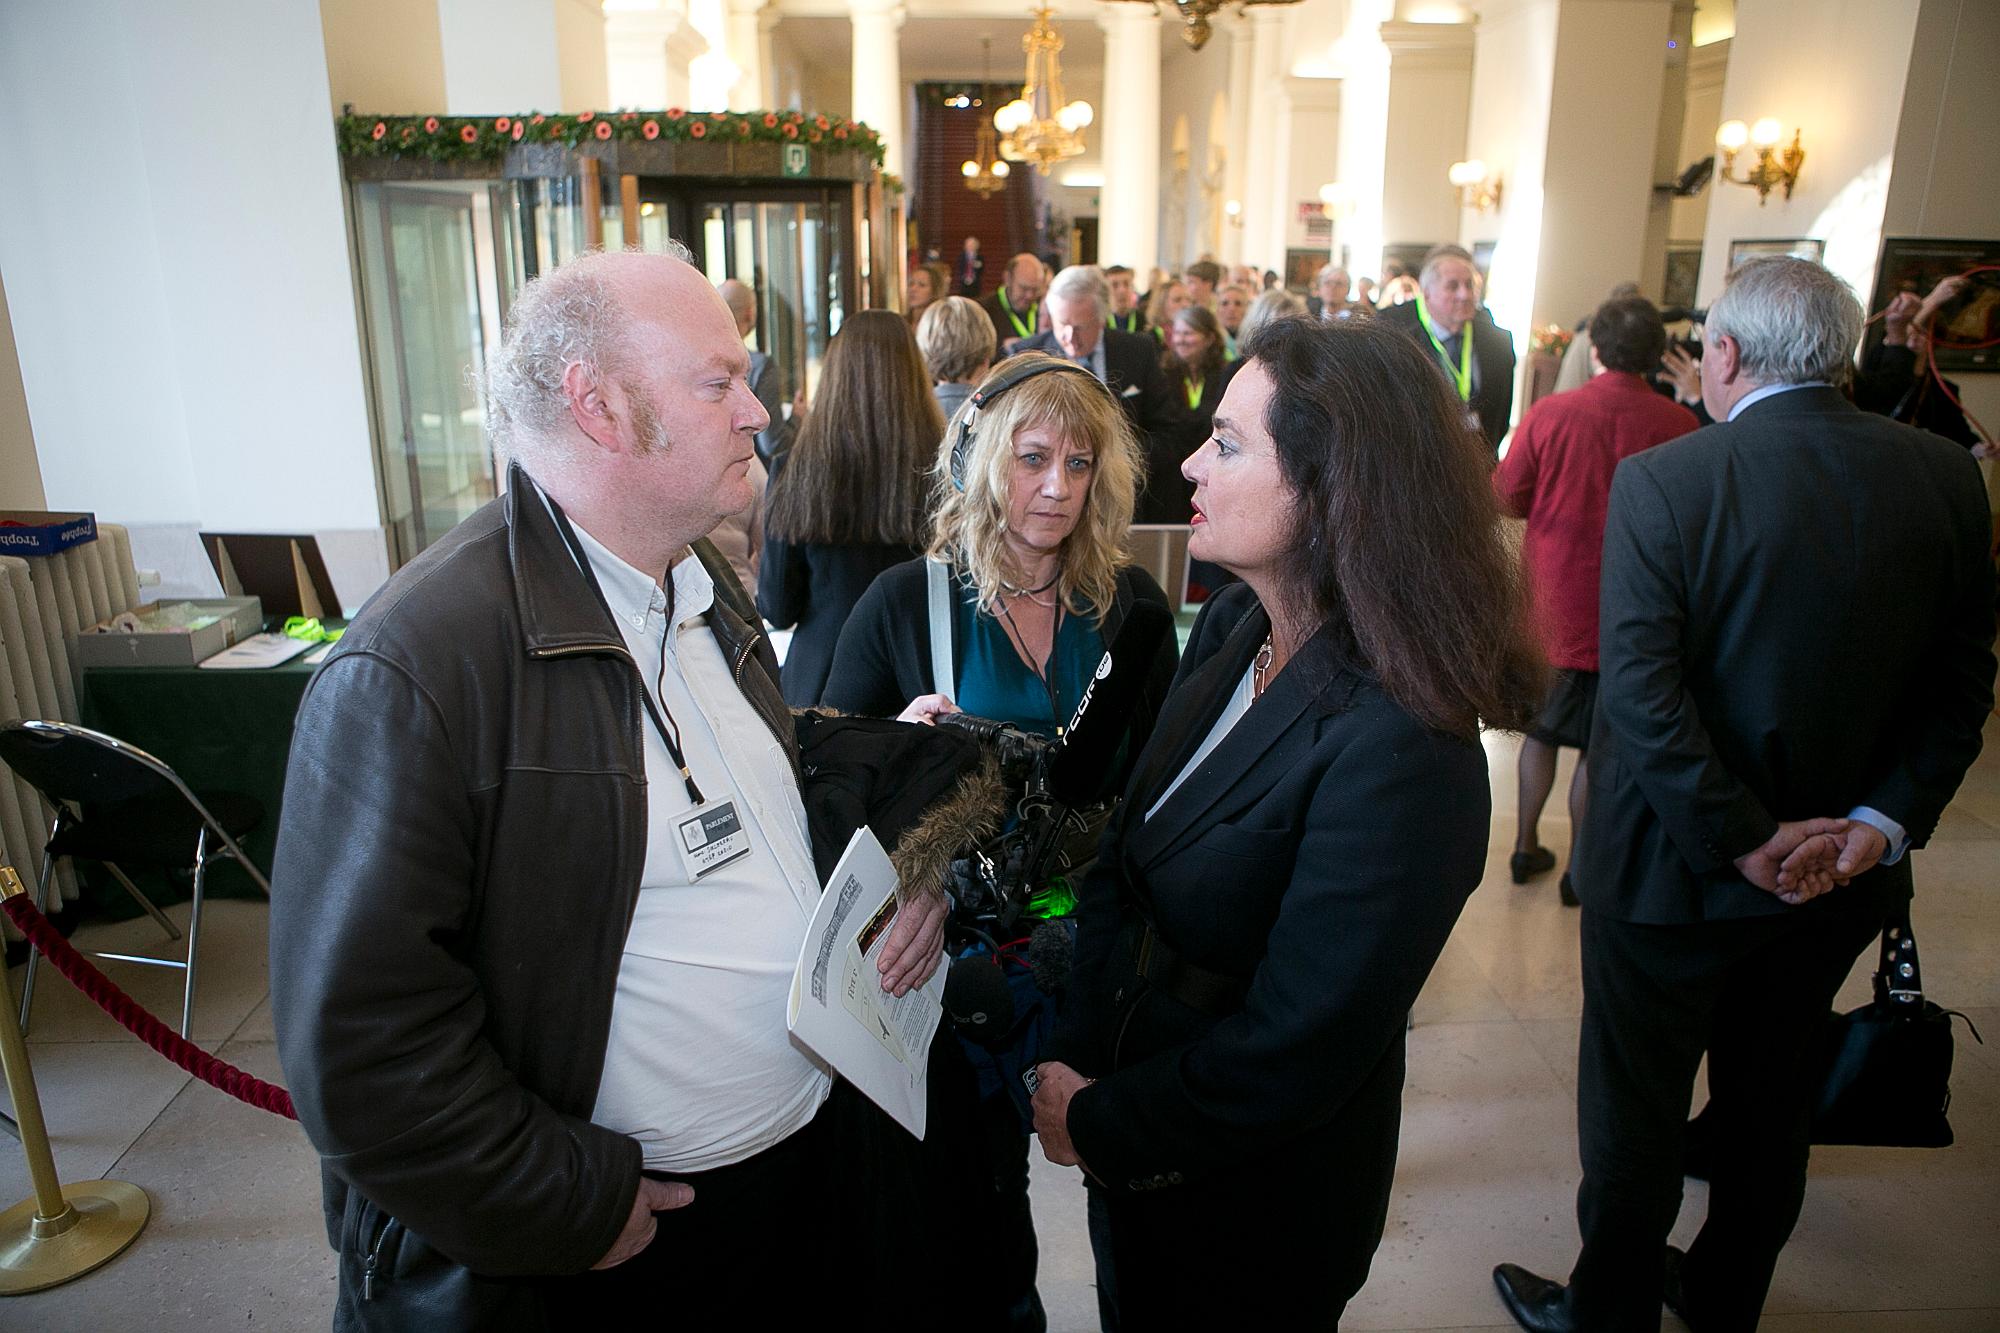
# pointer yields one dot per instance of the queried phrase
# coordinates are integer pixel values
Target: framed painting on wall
(1918, 265)
(1677, 292)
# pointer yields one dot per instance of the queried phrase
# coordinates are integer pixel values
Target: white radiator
(44, 602)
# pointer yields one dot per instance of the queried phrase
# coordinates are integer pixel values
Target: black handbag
(1888, 1063)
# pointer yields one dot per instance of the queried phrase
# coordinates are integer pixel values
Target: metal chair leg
(173, 932)
(194, 929)
(34, 954)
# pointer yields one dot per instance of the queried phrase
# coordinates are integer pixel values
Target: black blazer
(884, 657)
(1493, 359)
(1321, 853)
(1796, 619)
(1132, 372)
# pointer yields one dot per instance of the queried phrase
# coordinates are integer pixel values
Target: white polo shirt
(699, 1068)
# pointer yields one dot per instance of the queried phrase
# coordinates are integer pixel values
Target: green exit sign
(797, 159)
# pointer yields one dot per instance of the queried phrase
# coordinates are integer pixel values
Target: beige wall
(384, 56)
(20, 470)
(585, 74)
(1836, 69)
(1707, 68)
(1311, 121)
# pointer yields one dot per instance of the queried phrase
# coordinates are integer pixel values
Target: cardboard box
(39, 532)
(166, 636)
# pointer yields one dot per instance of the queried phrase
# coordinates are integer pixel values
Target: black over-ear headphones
(1007, 378)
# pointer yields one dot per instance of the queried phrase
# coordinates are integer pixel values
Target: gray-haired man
(544, 865)
(1796, 661)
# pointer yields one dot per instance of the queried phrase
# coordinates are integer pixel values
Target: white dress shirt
(699, 1067)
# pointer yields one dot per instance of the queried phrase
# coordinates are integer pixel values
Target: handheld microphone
(1083, 766)
(977, 998)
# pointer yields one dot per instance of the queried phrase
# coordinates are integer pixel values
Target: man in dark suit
(1015, 305)
(1796, 656)
(1443, 319)
(966, 272)
(1128, 363)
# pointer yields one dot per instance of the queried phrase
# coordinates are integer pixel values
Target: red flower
(409, 133)
(604, 129)
(379, 130)
(791, 131)
(819, 122)
(675, 113)
(502, 125)
(537, 118)
(770, 120)
(813, 136)
(795, 117)
(628, 115)
(718, 115)
(582, 116)
(840, 133)
(742, 129)
(651, 129)
(697, 130)
(468, 134)
(520, 128)
(430, 124)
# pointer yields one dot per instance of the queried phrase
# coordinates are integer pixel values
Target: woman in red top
(1557, 475)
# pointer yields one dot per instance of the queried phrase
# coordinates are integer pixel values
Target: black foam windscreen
(977, 998)
(1082, 771)
(1051, 950)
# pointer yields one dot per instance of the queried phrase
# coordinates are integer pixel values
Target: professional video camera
(1011, 892)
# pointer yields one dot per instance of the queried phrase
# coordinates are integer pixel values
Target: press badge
(712, 835)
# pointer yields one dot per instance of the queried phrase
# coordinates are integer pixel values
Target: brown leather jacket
(458, 862)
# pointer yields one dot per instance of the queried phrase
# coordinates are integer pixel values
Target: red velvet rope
(62, 955)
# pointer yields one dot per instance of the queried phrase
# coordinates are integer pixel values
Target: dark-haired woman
(1296, 842)
(847, 500)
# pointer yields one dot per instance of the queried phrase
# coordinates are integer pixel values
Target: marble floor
(1890, 1239)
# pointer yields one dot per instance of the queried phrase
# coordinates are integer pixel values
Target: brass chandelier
(1039, 126)
(1195, 27)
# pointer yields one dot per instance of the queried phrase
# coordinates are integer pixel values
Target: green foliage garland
(487, 138)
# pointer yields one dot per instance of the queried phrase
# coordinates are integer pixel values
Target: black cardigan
(884, 657)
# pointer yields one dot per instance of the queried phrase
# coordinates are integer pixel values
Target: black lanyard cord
(669, 730)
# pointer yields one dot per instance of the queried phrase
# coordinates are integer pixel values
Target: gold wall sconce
(1232, 210)
(1478, 189)
(1775, 167)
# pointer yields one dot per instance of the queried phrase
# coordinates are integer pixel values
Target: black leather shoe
(1568, 892)
(1672, 1290)
(1524, 866)
(1537, 1304)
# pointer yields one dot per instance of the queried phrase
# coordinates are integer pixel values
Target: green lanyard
(1194, 394)
(1461, 375)
(1131, 324)
(1025, 330)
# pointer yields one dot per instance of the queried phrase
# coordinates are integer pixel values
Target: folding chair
(118, 805)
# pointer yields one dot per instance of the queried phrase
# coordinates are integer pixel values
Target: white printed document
(877, 1041)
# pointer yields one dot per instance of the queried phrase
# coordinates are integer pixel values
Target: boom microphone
(1083, 766)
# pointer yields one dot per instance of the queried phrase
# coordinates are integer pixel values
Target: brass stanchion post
(65, 1230)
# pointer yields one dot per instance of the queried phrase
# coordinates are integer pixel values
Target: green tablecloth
(227, 730)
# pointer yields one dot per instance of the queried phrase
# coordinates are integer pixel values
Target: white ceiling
(948, 48)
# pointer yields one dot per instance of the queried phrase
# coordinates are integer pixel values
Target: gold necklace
(1259, 665)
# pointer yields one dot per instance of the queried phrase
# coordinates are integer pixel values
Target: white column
(1236, 175)
(1430, 98)
(1260, 183)
(877, 99)
(648, 52)
(746, 48)
(1128, 130)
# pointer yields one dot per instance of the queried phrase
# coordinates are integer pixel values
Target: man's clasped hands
(1808, 857)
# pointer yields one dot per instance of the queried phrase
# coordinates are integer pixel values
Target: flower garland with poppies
(487, 138)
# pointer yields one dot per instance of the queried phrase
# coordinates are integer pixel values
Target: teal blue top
(994, 682)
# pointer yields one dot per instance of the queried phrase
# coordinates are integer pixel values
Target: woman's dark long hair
(1397, 536)
(858, 473)
(1208, 366)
